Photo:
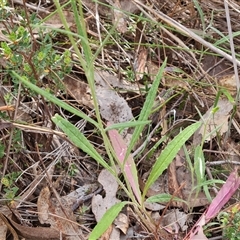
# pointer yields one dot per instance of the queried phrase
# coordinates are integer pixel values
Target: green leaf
(53, 99)
(208, 182)
(168, 154)
(199, 164)
(79, 139)
(147, 107)
(2, 148)
(164, 197)
(126, 125)
(106, 220)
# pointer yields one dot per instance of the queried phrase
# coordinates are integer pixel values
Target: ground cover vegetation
(119, 119)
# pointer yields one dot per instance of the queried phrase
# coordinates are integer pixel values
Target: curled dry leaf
(141, 62)
(122, 222)
(43, 205)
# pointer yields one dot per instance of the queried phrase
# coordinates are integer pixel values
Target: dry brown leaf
(39, 233)
(113, 108)
(119, 17)
(107, 233)
(78, 90)
(111, 233)
(158, 187)
(214, 123)
(184, 176)
(140, 63)
(61, 219)
(6, 226)
(107, 80)
(229, 83)
(173, 184)
(99, 204)
(175, 216)
(153, 206)
(122, 222)
(43, 205)
(3, 229)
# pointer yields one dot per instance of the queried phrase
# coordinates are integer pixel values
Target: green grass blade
(53, 99)
(79, 139)
(106, 220)
(168, 154)
(81, 29)
(201, 14)
(147, 107)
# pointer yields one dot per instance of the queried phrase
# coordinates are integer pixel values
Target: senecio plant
(31, 56)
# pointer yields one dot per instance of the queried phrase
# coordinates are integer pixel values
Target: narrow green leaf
(147, 107)
(201, 14)
(81, 29)
(106, 220)
(53, 99)
(79, 139)
(164, 197)
(126, 125)
(2, 148)
(168, 154)
(199, 164)
(208, 182)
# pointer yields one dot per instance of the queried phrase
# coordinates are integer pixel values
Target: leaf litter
(183, 88)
